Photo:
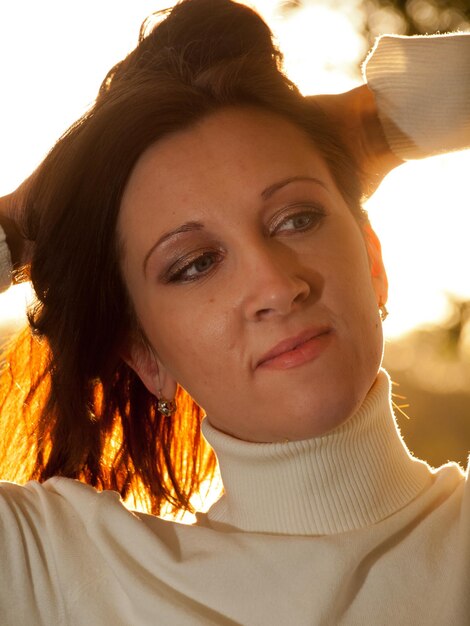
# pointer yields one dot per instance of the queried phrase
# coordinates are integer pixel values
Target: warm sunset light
(239, 391)
(51, 73)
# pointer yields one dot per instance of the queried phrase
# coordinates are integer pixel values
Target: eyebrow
(271, 190)
(188, 227)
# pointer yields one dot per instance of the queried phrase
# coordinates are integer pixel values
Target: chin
(324, 406)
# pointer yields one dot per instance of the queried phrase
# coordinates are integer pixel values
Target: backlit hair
(69, 404)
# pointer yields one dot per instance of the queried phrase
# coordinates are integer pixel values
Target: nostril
(263, 313)
(302, 295)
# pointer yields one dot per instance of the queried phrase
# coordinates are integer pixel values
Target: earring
(166, 407)
(383, 311)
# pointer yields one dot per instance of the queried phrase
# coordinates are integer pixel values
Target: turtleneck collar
(352, 477)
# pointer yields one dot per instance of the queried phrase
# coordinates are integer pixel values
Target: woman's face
(251, 278)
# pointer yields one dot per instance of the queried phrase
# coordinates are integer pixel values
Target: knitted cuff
(422, 89)
(5, 263)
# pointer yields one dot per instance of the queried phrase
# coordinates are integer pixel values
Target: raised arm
(422, 89)
(416, 103)
(355, 117)
(14, 249)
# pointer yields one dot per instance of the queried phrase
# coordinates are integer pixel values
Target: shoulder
(37, 500)
(43, 532)
(61, 543)
(467, 493)
(62, 517)
(35, 519)
(60, 511)
(451, 492)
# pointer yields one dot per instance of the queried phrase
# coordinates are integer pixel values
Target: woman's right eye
(192, 269)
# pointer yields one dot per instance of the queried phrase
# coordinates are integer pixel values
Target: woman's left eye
(300, 221)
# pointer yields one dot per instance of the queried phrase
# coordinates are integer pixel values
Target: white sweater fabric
(346, 528)
(422, 89)
(343, 529)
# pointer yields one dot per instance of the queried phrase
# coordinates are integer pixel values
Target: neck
(349, 478)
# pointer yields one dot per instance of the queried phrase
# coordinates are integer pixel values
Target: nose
(274, 284)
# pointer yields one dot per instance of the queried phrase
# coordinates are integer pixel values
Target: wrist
(13, 237)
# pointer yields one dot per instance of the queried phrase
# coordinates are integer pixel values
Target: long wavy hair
(69, 404)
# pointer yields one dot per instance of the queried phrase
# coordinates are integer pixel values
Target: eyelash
(316, 213)
(176, 273)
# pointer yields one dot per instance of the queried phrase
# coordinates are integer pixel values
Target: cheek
(349, 293)
(349, 272)
(189, 337)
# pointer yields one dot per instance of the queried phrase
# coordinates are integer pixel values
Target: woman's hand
(10, 216)
(354, 116)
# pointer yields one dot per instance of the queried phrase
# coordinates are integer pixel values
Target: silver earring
(166, 407)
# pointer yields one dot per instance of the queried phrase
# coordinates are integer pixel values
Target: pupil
(203, 263)
(300, 220)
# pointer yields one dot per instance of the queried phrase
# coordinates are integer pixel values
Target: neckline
(352, 477)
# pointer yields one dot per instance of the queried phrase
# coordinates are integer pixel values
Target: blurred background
(54, 54)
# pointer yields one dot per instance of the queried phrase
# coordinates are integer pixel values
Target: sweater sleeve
(28, 592)
(422, 88)
(50, 564)
(5, 262)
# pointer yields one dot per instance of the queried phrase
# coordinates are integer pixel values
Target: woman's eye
(193, 269)
(304, 220)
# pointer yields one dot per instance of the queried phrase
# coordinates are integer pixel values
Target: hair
(70, 405)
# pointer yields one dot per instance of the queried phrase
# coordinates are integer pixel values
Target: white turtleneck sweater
(346, 528)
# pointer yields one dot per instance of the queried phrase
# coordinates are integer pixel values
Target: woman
(200, 229)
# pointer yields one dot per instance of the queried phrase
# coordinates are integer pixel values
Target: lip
(296, 350)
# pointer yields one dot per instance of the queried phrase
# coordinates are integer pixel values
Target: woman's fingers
(355, 118)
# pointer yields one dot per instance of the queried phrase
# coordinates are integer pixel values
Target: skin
(11, 208)
(354, 116)
(267, 269)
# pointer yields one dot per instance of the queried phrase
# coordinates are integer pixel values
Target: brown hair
(82, 412)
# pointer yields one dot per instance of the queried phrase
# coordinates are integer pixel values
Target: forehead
(224, 161)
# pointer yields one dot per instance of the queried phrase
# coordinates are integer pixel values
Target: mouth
(296, 350)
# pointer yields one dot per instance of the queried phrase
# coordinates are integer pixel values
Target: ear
(377, 269)
(146, 364)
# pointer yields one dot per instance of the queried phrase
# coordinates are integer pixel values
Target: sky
(54, 54)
